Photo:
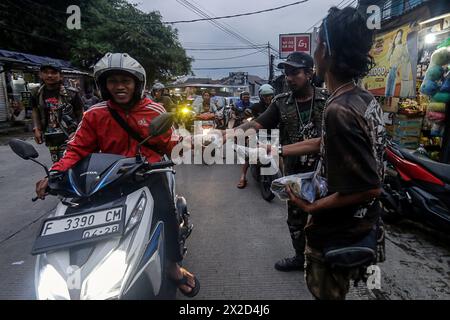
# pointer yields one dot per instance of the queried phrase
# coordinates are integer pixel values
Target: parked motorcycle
(416, 187)
(105, 241)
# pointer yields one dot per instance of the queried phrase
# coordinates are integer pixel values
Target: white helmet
(158, 86)
(265, 90)
(119, 62)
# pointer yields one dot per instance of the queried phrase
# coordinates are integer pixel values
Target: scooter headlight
(52, 285)
(185, 111)
(105, 282)
(137, 213)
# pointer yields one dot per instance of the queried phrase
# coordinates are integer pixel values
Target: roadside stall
(19, 75)
(414, 115)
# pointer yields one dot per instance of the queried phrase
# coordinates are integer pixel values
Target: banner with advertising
(296, 42)
(395, 56)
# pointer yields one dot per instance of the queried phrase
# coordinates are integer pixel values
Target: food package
(411, 107)
(308, 186)
(245, 153)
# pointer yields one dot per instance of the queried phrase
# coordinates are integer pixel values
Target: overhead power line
(225, 49)
(237, 15)
(227, 29)
(230, 58)
(222, 26)
(226, 68)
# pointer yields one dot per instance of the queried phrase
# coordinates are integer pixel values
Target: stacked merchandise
(403, 121)
(407, 131)
(436, 87)
(433, 129)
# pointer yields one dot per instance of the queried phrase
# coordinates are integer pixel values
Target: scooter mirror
(23, 149)
(161, 124)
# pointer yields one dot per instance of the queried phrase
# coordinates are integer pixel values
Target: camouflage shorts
(323, 282)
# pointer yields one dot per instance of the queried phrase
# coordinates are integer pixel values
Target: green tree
(106, 26)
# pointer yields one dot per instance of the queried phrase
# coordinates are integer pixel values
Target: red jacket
(99, 132)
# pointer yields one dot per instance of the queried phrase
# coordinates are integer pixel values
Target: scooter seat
(440, 170)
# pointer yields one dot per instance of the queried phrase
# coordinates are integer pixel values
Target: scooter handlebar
(161, 165)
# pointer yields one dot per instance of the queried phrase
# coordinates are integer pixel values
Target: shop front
(414, 108)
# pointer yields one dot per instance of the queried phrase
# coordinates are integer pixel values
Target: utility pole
(268, 53)
(271, 59)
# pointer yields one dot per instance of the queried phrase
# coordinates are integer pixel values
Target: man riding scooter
(157, 95)
(112, 127)
(266, 94)
(241, 110)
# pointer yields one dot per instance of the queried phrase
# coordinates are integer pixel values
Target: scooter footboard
(432, 207)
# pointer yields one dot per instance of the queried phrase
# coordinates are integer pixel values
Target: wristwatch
(280, 150)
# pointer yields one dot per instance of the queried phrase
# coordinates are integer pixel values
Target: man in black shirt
(352, 146)
(298, 114)
(57, 111)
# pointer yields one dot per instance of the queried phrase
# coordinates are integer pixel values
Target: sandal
(184, 281)
(242, 184)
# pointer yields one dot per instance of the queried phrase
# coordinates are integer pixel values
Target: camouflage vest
(291, 128)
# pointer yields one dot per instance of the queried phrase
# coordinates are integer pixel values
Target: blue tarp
(33, 59)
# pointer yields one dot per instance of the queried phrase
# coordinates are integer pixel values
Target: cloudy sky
(259, 29)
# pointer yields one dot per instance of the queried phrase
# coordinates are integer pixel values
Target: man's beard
(299, 92)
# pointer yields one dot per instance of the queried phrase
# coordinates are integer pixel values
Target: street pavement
(237, 238)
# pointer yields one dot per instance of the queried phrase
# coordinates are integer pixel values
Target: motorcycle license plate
(70, 230)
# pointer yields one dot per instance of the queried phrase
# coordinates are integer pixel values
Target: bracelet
(280, 150)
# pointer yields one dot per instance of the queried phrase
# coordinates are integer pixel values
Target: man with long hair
(351, 147)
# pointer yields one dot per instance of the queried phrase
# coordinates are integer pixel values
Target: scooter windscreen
(95, 172)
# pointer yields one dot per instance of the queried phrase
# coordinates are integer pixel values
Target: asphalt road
(237, 238)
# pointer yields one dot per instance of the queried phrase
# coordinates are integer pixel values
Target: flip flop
(242, 184)
(184, 281)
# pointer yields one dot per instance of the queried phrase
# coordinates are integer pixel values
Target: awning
(31, 59)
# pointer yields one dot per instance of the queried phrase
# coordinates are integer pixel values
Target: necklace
(333, 95)
(310, 109)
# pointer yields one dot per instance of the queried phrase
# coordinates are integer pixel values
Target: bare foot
(177, 273)
(242, 183)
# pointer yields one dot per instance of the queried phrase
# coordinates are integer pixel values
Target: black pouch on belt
(360, 253)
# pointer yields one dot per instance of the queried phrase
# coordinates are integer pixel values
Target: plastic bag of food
(308, 186)
(246, 153)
